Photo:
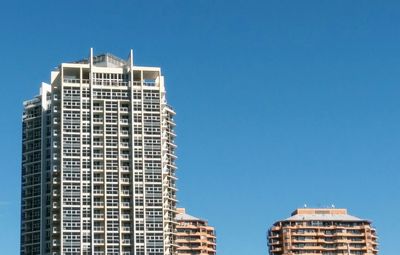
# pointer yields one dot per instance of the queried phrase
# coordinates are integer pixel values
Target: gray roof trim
(323, 217)
(184, 216)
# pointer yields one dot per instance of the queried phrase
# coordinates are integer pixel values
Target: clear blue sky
(279, 103)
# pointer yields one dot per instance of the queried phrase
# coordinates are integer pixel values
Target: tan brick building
(322, 231)
(193, 235)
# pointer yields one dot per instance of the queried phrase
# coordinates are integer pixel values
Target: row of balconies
(319, 240)
(315, 244)
(101, 109)
(76, 81)
(112, 82)
(186, 239)
(107, 82)
(321, 228)
(102, 253)
(109, 193)
(190, 233)
(121, 180)
(340, 247)
(101, 216)
(101, 121)
(320, 248)
(101, 155)
(326, 235)
(123, 241)
(202, 248)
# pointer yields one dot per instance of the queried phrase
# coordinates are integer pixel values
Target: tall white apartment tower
(98, 165)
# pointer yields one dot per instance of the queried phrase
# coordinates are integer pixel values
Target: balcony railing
(102, 82)
(72, 80)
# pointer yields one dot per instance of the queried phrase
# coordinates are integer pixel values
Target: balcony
(124, 121)
(124, 144)
(99, 241)
(125, 204)
(126, 241)
(98, 192)
(149, 83)
(273, 242)
(125, 192)
(125, 216)
(107, 82)
(98, 132)
(72, 80)
(125, 169)
(98, 216)
(125, 180)
(98, 228)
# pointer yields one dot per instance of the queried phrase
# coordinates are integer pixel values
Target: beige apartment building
(193, 235)
(322, 231)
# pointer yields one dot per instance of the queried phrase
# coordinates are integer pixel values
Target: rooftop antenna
(131, 57)
(91, 57)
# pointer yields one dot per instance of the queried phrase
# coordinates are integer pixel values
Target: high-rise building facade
(322, 231)
(193, 235)
(98, 164)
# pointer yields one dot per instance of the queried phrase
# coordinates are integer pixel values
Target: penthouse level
(322, 231)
